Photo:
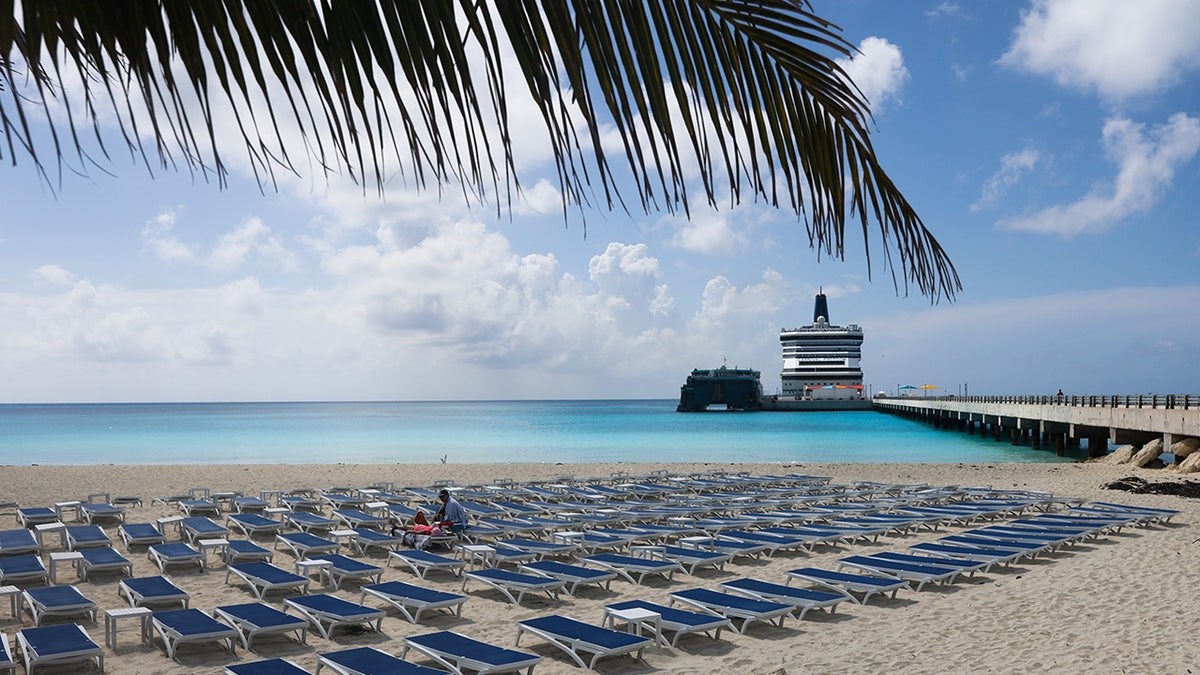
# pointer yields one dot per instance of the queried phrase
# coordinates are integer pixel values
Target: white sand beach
(1120, 604)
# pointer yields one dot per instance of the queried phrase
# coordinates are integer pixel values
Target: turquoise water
(474, 432)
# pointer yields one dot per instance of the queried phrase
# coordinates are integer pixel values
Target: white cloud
(251, 237)
(158, 236)
(1120, 49)
(1013, 167)
(54, 275)
(878, 70)
(708, 231)
(1146, 164)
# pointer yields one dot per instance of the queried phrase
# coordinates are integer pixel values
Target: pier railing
(1151, 401)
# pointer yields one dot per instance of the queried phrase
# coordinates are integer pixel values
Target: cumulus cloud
(1013, 167)
(1146, 162)
(251, 238)
(158, 236)
(1118, 48)
(878, 70)
(53, 275)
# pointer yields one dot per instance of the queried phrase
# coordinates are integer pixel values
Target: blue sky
(1050, 146)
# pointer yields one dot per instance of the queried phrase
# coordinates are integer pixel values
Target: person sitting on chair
(451, 512)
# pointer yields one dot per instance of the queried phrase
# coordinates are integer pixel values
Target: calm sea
(476, 431)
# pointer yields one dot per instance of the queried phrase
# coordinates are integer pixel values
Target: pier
(1060, 422)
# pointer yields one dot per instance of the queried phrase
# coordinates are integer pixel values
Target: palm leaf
(749, 92)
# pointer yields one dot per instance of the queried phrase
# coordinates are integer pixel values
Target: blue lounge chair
(412, 600)
(307, 522)
(458, 652)
(368, 660)
(146, 591)
(264, 577)
(355, 518)
(85, 536)
(577, 639)
(297, 502)
(749, 610)
(801, 599)
(917, 575)
(191, 626)
(340, 501)
(348, 569)
(968, 567)
(249, 504)
(202, 527)
(304, 544)
(241, 550)
(327, 612)
(509, 582)
(541, 549)
(254, 619)
(92, 512)
(175, 553)
(23, 569)
(58, 645)
(7, 665)
(105, 559)
(627, 566)
(693, 558)
(47, 601)
(681, 622)
(366, 539)
(266, 667)
(987, 556)
(571, 575)
(140, 534)
(421, 562)
(849, 584)
(36, 515)
(251, 524)
(192, 507)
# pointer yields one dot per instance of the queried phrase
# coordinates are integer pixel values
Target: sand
(1125, 603)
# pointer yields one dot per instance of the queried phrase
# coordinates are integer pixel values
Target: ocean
(471, 432)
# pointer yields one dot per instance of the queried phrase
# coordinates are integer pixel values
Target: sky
(1050, 146)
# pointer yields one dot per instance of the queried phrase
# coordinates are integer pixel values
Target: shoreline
(1112, 605)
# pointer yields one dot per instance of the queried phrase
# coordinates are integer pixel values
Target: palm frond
(747, 91)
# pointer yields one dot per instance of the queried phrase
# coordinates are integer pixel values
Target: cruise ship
(821, 361)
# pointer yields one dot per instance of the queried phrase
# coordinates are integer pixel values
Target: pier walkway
(1059, 421)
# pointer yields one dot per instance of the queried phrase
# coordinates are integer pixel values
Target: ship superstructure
(821, 361)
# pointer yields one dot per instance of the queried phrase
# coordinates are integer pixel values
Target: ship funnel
(821, 309)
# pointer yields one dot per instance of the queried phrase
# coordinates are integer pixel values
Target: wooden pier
(1059, 421)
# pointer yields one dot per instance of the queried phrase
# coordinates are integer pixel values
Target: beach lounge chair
(36, 515)
(964, 566)
(327, 612)
(734, 607)
(341, 501)
(509, 582)
(578, 639)
(915, 574)
(512, 528)
(421, 562)
(541, 549)
(681, 622)
(988, 556)
(195, 528)
(58, 645)
(241, 550)
(348, 569)
(156, 591)
(263, 577)
(627, 566)
(1029, 548)
(105, 559)
(412, 600)
(190, 626)
(176, 554)
(193, 507)
(140, 534)
(22, 569)
(368, 660)
(266, 667)
(91, 512)
(249, 504)
(251, 524)
(808, 534)
(7, 665)
(1158, 515)
(85, 536)
(303, 544)
(571, 575)
(300, 502)
(307, 522)
(255, 619)
(691, 558)
(849, 584)
(367, 539)
(773, 542)
(354, 518)
(458, 653)
(501, 555)
(47, 601)
(801, 599)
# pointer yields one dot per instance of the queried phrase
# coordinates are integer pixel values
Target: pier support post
(1060, 443)
(1035, 439)
(1097, 444)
